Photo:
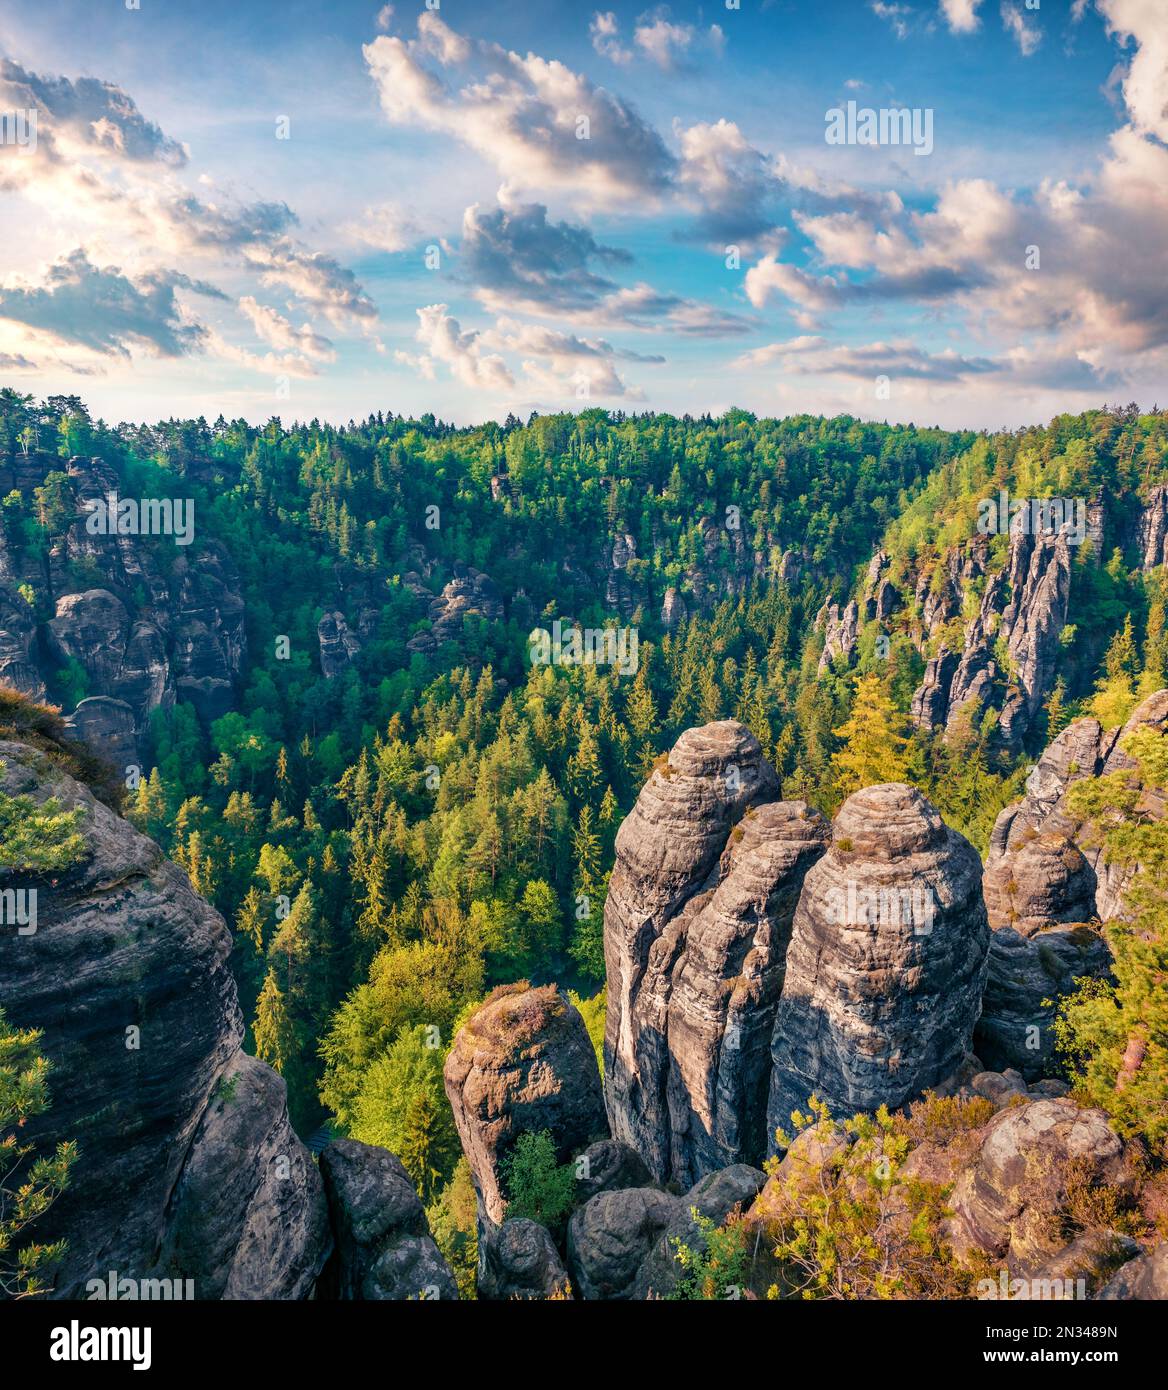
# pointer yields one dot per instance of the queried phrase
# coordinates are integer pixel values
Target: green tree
(27, 1188)
(875, 747)
(1114, 1037)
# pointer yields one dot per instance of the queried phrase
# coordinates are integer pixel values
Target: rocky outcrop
(1006, 1204)
(384, 1250)
(521, 1063)
(1027, 977)
(887, 961)
(18, 664)
(930, 703)
(241, 1230)
(1023, 609)
(1144, 1277)
(146, 620)
(109, 728)
(668, 851)
(1022, 833)
(1152, 534)
(621, 1244)
(469, 594)
(840, 630)
(673, 610)
(187, 1166)
(1046, 881)
(339, 646)
(606, 1166)
(1021, 613)
(519, 1259)
(723, 989)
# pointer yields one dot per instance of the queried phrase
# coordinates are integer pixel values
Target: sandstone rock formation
(241, 1230)
(606, 1166)
(887, 961)
(1027, 975)
(1006, 1203)
(150, 622)
(1083, 749)
(694, 931)
(840, 629)
(188, 1167)
(519, 1259)
(469, 594)
(1144, 1277)
(338, 645)
(723, 986)
(620, 1244)
(384, 1250)
(521, 1064)
(1022, 609)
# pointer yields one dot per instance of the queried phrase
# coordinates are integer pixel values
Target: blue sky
(433, 234)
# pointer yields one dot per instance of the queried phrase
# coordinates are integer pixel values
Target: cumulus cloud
(277, 331)
(465, 354)
(87, 116)
(1145, 87)
(387, 227)
(99, 161)
(78, 304)
(961, 15)
(515, 257)
(538, 123)
(604, 32)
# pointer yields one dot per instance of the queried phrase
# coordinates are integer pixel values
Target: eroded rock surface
(384, 1250)
(521, 1064)
(887, 961)
(127, 976)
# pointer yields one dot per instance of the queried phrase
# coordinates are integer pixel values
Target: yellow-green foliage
(1115, 1037)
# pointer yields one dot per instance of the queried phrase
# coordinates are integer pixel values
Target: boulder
(384, 1249)
(519, 1260)
(522, 1063)
(607, 1166)
(621, 1244)
(1006, 1204)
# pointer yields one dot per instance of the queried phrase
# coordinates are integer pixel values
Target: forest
(392, 841)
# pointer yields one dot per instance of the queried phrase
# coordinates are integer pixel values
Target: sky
(949, 212)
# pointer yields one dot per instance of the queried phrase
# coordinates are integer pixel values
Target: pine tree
(874, 744)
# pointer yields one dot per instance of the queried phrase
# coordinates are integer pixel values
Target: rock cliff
(188, 1167)
(887, 961)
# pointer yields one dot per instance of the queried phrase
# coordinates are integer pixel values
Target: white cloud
(443, 340)
(537, 122)
(1145, 88)
(605, 34)
(961, 15)
(1023, 30)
